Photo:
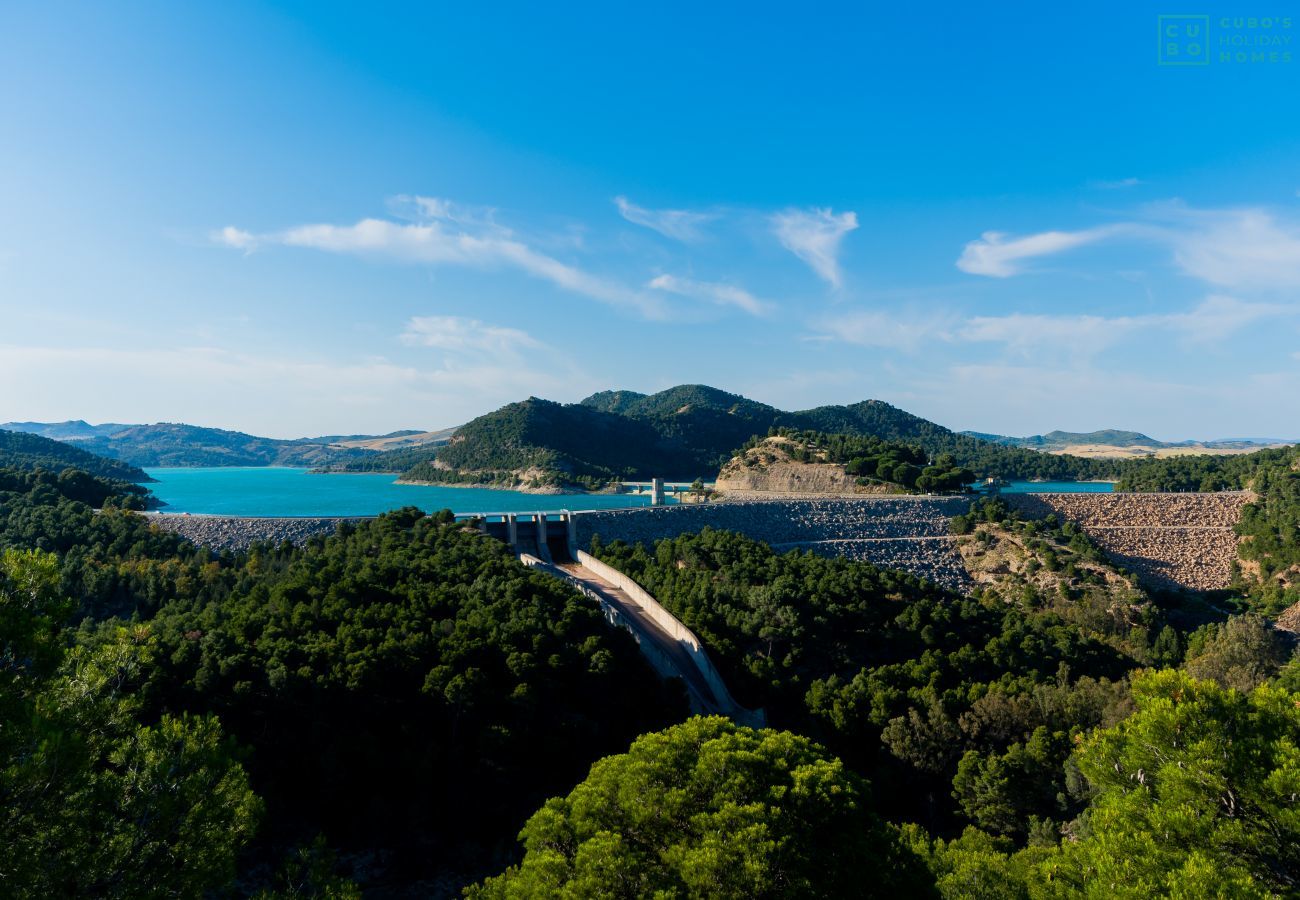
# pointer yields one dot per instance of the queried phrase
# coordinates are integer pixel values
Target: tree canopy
(708, 809)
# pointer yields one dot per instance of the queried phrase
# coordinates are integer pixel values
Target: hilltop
(31, 451)
(682, 433)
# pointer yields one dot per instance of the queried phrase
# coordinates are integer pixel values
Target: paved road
(647, 629)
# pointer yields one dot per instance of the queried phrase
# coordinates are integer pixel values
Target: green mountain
(682, 433)
(31, 451)
(539, 443)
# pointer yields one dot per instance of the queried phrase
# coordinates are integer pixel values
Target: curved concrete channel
(645, 628)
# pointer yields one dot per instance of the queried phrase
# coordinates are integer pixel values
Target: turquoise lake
(1058, 487)
(235, 491)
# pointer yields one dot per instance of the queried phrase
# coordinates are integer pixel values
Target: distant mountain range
(1064, 441)
(170, 444)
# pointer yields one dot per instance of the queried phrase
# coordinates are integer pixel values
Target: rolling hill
(31, 451)
(1120, 444)
(173, 444)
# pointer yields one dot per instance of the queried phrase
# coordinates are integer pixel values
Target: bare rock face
(768, 469)
(1169, 540)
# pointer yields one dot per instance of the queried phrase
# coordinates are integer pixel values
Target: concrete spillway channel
(667, 644)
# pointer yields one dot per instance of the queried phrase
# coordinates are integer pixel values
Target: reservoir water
(236, 491)
(1058, 487)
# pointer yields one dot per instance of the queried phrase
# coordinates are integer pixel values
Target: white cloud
(1242, 249)
(461, 335)
(994, 255)
(679, 224)
(1026, 332)
(714, 292)
(1218, 317)
(876, 328)
(1214, 319)
(446, 236)
(231, 236)
(814, 236)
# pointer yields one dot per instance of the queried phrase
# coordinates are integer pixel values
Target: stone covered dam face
(1170, 540)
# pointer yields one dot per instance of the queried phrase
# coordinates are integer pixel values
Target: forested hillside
(171, 715)
(682, 433)
(30, 451)
(441, 690)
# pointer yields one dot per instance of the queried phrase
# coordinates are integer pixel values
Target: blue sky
(303, 219)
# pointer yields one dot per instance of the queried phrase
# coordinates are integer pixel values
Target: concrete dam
(1170, 540)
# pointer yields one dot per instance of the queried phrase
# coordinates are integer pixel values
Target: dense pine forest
(403, 709)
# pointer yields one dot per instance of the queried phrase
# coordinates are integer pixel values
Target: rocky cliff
(768, 470)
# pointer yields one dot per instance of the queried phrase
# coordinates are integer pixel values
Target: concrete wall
(658, 660)
(671, 625)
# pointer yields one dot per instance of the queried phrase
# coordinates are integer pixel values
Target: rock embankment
(239, 532)
(1168, 540)
(905, 533)
(1104, 510)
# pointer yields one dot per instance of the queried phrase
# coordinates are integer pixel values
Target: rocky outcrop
(1168, 540)
(768, 469)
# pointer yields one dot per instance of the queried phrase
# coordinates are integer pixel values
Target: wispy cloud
(231, 236)
(460, 335)
(814, 236)
(999, 256)
(1213, 320)
(446, 237)
(1243, 249)
(679, 224)
(879, 328)
(713, 292)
